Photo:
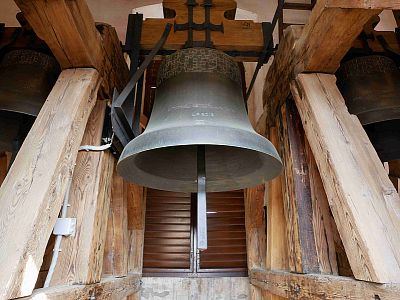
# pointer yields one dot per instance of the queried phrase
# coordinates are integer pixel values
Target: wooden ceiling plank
(32, 193)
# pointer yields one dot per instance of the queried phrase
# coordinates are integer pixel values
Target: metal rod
(201, 199)
(269, 29)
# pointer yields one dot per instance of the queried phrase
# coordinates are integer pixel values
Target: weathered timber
(136, 223)
(238, 35)
(81, 258)
(32, 193)
(277, 257)
(69, 30)
(325, 230)
(108, 289)
(255, 232)
(364, 203)
(303, 256)
(365, 4)
(117, 245)
(321, 287)
(319, 47)
(4, 163)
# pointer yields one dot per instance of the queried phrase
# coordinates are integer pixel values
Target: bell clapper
(201, 199)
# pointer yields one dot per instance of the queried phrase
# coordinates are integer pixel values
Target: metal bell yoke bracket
(207, 26)
(126, 106)
(268, 29)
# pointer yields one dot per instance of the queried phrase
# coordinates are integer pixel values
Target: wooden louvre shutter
(167, 238)
(226, 233)
(170, 235)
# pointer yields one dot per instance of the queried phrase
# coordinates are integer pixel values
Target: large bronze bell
(371, 87)
(26, 78)
(199, 102)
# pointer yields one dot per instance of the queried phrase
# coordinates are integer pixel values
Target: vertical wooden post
(34, 188)
(303, 230)
(277, 257)
(364, 203)
(116, 248)
(4, 163)
(255, 233)
(136, 226)
(81, 258)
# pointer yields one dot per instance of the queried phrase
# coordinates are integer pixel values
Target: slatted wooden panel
(167, 238)
(226, 233)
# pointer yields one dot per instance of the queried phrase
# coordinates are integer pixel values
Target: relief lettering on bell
(199, 101)
(371, 87)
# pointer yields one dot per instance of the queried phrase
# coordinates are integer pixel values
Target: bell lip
(257, 143)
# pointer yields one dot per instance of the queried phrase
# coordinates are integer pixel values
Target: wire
(57, 244)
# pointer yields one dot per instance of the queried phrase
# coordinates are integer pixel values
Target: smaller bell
(26, 79)
(370, 86)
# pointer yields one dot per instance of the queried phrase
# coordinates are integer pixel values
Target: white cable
(98, 148)
(57, 243)
(94, 148)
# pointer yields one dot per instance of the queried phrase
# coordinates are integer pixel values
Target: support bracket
(207, 26)
(120, 120)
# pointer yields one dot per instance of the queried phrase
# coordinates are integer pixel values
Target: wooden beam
(109, 288)
(255, 232)
(117, 246)
(277, 256)
(365, 4)
(32, 193)
(81, 258)
(303, 216)
(136, 226)
(364, 203)
(319, 47)
(4, 163)
(321, 287)
(69, 30)
(325, 230)
(238, 35)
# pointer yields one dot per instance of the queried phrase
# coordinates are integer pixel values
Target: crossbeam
(68, 28)
(318, 47)
(321, 287)
(109, 288)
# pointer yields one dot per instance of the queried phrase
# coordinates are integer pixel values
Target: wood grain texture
(319, 47)
(277, 256)
(69, 30)
(109, 288)
(4, 163)
(238, 35)
(324, 225)
(321, 287)
(255, 232)
(303, 256)
(136, 222)
(81, 258)
(117, 241)
(32, 193)
(364, 4)
(364, 203)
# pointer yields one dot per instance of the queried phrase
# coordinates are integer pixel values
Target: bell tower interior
(199, 149)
